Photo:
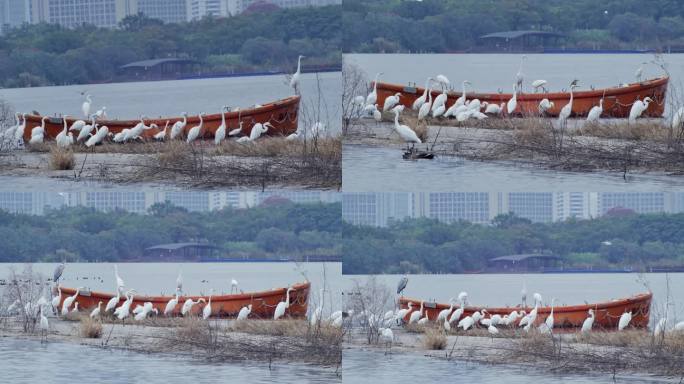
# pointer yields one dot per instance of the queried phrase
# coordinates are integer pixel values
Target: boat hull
(263, 303)
(617, 101)
(282, 114)
(607, 314)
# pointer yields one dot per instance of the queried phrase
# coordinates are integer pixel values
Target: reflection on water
(36, 195)
(376, 368)
(383, 208)
(198, 278)
(494, 290)
(371, 169)
(27, 361)
(170, 98)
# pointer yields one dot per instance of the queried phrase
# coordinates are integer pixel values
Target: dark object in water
(415, 154)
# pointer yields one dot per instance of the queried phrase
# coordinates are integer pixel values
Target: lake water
(27, 361)
(377, 368)
(494, 72)
(568, 289)
(198, 278)
(170, 98)
(380, 169)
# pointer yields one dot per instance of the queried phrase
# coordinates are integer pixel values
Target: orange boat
(607, 314)
(263, 303)
(282, 114)
(617, 101)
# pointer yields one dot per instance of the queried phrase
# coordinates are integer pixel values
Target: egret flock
(121, 307)
(89, 131)
(464, 109)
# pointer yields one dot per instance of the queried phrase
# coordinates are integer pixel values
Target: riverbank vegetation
(446, 26)
(45, 54)
(617, 240)
(83, 234)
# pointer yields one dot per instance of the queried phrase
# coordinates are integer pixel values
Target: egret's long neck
(299, 64)
(287, 298)
(396, 120)
(223, 117)
(65, 125)
(430, 97)
(571, 94)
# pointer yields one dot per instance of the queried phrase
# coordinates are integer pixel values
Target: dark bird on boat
(58, 272)
(402, 285)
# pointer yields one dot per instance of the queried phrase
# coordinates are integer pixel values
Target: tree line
(84, 234)
(429, 246)
(457, 25)
(48, 54)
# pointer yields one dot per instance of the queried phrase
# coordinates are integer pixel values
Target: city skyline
(108, 13)
(140, 200)
(381, 209)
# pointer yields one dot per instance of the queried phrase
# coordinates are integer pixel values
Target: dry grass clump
(641, 130)
(61, 159)
(533, 133)
(434, 339)
(73, 316)
(193, 329)
(90, 328)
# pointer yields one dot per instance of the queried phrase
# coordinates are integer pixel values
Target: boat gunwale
(636, 299)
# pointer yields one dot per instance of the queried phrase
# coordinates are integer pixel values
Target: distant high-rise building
(14, 13)
(169, 11)
(197, 9)
(72, 13)
(238, 6)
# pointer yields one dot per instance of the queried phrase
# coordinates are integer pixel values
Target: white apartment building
(169, 11)
(14, 13)
(236, 7)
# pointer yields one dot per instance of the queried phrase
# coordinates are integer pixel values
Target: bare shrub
(23, 291)
(354, 83)
(61, 159)
(370, 300)
(434, 339)
(90, 328)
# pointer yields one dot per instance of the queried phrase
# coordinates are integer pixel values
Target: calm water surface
(170, 98)
(379, 169)
(377, 368)
(67, 363)
(568, 289)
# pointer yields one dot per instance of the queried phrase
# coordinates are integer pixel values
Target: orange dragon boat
(263, 303)
(606, 314)
(617, 101)
(282, 114)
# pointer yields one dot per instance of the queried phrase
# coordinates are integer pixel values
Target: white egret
(96, 312)
(63, 140)
(316, 314)
(446, 325)
(466, 323)
(359, 101)
(44, 325)
(69, 300)
(195, 131)
(679, 326)
(119, 281)
(189, 303)
(318, 129)
(206, 311)
(424, 109)
(294, 81)
(146, 310)
(566, 111)
(422, 99)
(161, 135)
(549, 319)
(439, 111)
(77, 125)
(75, 310)
(236, 131)
(85, 107)
(179, 281)
(125, 309)
(545, 105)
(444, 313)
(519, 77)
(244, 313)
(493, 109)
(475, 105)
(588, 322)
(462, 100)
(402, 313)
(440, 101)
(391, 101)
(415, 316)
(456, 315)
(660, 327)
(373, 96)
(513, 102)
(387, 336)
(539, 84)
(404, 131)
(595, 112)
(57, 299)
(221, 130)
(179, 126)
(113, 302)
(19, 132)
(424, 320)
(259, 129)
(243, 139)
(38, 133)
(638, 108)
(233, 286)
(625, 318)
(171, 305)
(376, 113)
(442, 80)
(282, 306)
(101, 113)
(121, 136)
(492, 330)
(86, 130)
(639, 73)
(98, 137)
